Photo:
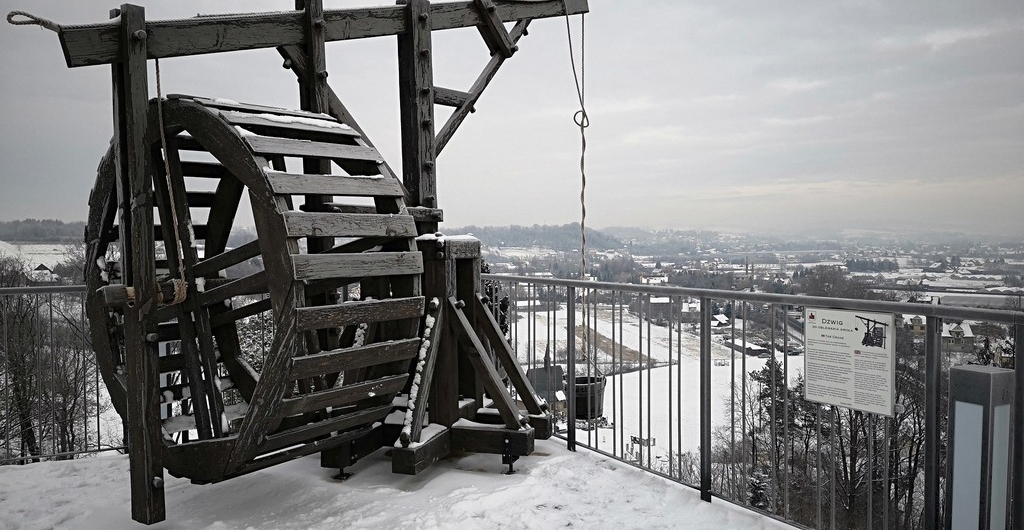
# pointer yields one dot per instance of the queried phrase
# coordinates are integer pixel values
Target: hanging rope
(32, 20)
(582, 121)
(180, 284)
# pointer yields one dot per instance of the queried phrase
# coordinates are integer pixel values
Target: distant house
(915, 324)
(42, 275)
(957, 337)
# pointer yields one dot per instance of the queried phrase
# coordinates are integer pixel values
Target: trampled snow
(552, 488)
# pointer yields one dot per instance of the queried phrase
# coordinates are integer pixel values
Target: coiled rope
(32, 20)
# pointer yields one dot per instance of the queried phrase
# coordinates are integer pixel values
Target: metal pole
(705, 399)
(1017, 514)
(933, 371)
(570, 376)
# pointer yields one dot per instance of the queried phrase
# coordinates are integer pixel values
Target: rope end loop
(31, 20)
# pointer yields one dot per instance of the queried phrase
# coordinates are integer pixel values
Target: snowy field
(552, 488)
(49, 254)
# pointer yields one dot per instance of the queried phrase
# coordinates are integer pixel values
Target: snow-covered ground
(552, 488)
(35, 254)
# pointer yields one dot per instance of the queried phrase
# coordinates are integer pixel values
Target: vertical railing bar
(933, 369)
(615, 389)
(785, 410)
(732, 400)
(671, 459)
(570, 354)
(650, 385)
(833, 420)
(679, 390)
(743, 404)
(817, 450)
(888, 481)
(53, 379)
(640, 380)
(871, 470)
(85, 372)
(591, 347)
(7, 381)
(705, 399)
(622, 378)
(1017, 451)
(774, 396)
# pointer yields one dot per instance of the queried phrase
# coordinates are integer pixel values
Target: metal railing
(666, 390)
(53, 405)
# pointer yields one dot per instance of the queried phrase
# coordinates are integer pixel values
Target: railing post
(705, 399)
(1017, 515)
(932, 375)
(570, 359)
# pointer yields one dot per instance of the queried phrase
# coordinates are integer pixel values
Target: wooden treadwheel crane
(342, 377)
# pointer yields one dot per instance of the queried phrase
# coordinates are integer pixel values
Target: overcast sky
(738, 115)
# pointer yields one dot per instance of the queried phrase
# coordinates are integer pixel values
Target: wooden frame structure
(340, 372)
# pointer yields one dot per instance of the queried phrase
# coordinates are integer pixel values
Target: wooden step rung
(349, 313)
(211, 170)
(219, 262)
(200, 232)
(337, 207)
(449, 97)
(301, 434)
(340, 360)
(248, 107)
(258, 123)
(373, 186)
(268, 145)
(200, 199)
(303, 224)
(230, 317)
(255, 283)
(187, 422)
(344, 395)
(364, 265)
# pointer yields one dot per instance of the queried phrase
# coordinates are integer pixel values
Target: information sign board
(849, 359)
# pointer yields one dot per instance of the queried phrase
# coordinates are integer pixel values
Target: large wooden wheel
(333, 367)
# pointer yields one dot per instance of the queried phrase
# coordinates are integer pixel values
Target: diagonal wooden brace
(492, 30)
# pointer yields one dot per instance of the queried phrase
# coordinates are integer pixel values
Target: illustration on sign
(849, 359)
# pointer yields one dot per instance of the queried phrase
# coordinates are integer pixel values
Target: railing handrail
(42, 289)
(1002, 316)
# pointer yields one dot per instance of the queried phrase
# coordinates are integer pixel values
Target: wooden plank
(295, 184)
(347, 454)
(200, 199)
(274, 124)
(230, 105)
(365, 265)
(480, 438)
(344, 395)
(426, 374)
(416, 459)
(210, 170)
(219, 262)
(415, 96)
(131, 113)
(222, 215)
(507, 358)
(482, 80)
(543, 424)
(322, 428)
(255, 283)
(426, 215)
(200, 232)
(327, 444)
(485, 371)
(492, 30)
(302, 224)
(349, 313)
(92, 44)
(269, 145)
(449, 97)
(344, 359)
(234, 315)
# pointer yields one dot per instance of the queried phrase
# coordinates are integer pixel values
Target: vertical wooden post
(416, 97)
(313, 96)
(135, 194)
(439, 282)
(467, 285)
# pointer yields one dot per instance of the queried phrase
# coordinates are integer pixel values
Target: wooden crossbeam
(93, 44)
(507, 357)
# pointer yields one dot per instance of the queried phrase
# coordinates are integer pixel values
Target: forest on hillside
(41, 231)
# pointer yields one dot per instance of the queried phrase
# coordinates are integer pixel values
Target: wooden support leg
(135, 194)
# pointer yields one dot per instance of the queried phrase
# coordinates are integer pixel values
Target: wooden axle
(118, 295)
